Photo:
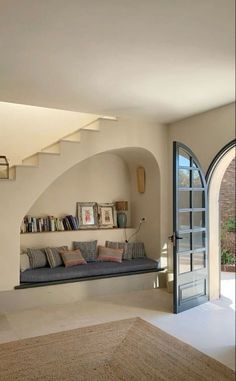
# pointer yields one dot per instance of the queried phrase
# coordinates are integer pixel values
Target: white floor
(209, 327)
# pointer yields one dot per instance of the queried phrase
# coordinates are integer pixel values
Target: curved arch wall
(17, 197)
(106, 177)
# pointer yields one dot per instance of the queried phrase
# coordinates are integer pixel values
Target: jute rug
(126, 350)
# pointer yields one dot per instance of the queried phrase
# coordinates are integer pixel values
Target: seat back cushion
(72, 258)
(88, 249)
(24, 262)
(107, 254)
(37, 258)
(53, 255)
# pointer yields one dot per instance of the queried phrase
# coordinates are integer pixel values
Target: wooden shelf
(76, 231)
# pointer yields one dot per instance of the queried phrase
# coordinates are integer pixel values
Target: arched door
(190, 233)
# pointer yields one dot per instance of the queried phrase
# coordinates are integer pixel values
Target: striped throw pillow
(138, 249)
(53, 255)
(107, 254)
(72, 258)
(37, 258)
(24, 262)
(88, 249)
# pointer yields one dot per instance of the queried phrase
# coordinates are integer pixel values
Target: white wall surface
(205, 134)
(25, 130)
(102, 178)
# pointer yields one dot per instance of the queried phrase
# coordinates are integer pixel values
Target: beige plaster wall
(205, 134)
(25, 130)
(101, 178)
(30, 182)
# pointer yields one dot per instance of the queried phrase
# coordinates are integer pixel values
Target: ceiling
(156, 59)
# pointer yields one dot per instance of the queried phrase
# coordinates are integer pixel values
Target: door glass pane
(198, 240)
(184, 243)
(198, 260)
(184, 178)
(198, 199)
(184, 199)
(184, 220)
(184, 263)
(184, 159)
(198, 220)
(193, 289)
(196, 182)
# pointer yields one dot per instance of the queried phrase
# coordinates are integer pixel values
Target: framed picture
(87, 213)
(106, 215)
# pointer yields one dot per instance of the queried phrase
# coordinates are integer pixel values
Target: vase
(121, 220)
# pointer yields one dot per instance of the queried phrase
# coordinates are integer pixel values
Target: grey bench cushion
(47, 274)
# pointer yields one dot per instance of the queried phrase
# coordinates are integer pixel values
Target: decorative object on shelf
(141, 179)
(4, 168)
(121, 207)
(106, 215)
(87, 213)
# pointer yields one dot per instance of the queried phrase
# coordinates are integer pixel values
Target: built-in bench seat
(91, 270)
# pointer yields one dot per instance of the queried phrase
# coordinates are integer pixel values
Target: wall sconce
(121, 207)
(4, 168)
(141, 179)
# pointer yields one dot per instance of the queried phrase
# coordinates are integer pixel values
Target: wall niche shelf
(78, 230)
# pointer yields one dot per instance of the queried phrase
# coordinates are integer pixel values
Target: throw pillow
(126, 247)
(106, 254)
(37, 258)
(88, 249)
(24, 262)
(138, 250)
(53, 255)
(72, 258)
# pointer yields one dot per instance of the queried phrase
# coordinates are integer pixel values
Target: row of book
(48, 224)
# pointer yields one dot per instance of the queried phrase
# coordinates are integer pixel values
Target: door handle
(173, 238)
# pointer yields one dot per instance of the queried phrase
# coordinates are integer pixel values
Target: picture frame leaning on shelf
(107, 215)
(87, 213)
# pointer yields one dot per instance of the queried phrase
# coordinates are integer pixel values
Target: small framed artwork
(106, 215)
(87, 213)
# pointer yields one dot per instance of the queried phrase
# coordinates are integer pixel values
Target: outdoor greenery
(227, 258)
(230, 225)
(228, 231)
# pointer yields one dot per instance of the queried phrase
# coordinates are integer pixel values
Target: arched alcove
(108, 177)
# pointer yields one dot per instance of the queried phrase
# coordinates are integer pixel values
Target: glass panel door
(190, 235)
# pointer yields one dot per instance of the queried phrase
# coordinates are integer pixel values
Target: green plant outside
(228, 257)
(230, 225)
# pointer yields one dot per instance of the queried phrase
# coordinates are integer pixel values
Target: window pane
(198, 260)
(198, 220)
(184, 178)
(184, 220)
(184, 263)
(192, 290)
(184, 159)
(198, 240)
(184, 199)
(184, 243)
(196, 182)
(198, 199)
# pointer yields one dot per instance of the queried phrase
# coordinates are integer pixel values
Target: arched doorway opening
(215, 176)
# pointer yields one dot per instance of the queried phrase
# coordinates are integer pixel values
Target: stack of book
(48, 224)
